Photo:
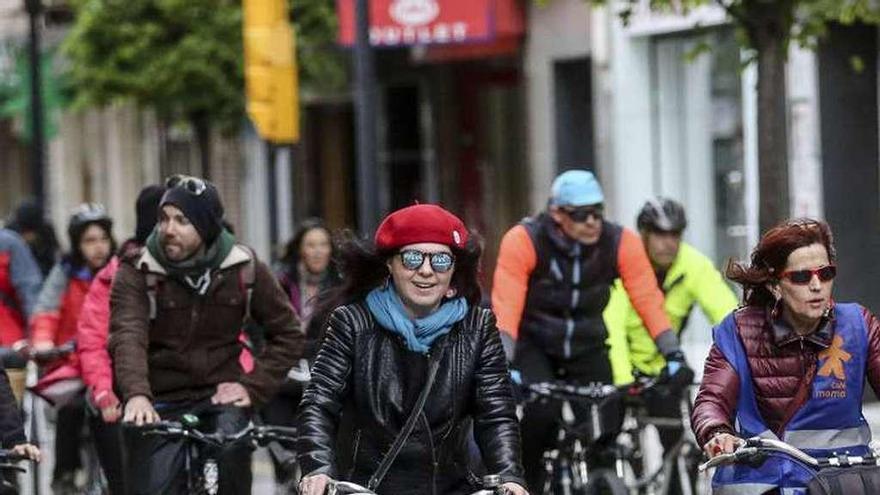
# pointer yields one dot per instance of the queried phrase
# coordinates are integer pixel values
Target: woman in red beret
(415, 361)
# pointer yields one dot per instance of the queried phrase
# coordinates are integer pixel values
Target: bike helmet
(663, 215)
(85, 215)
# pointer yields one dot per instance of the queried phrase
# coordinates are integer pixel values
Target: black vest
(568, 289)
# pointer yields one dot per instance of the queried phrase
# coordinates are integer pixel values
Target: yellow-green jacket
(692, 279)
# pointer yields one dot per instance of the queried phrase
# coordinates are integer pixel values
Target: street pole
(271, 152)
(34, 9)
(365, 119)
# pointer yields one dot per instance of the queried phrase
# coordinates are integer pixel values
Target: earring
(777, 307)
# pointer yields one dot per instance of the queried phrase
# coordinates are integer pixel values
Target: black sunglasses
(194, 185)
(803, 277)
(583, 213)
(413, 259)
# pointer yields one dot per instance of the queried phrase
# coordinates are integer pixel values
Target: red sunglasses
(803, 277)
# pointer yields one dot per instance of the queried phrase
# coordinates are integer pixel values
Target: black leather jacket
(368, 370)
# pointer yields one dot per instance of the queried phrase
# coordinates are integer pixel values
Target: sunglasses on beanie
(193, 185)
(440, 262)
(803, 277)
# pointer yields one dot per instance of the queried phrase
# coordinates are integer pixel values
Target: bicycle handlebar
(593, 391)
(7, 455)
(335, 487)
(756, 445)
(10, 458)
(257, 433)
(49, 355)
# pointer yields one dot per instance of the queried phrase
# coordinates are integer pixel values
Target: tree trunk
(768, 35)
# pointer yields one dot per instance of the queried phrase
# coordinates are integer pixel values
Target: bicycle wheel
(605, 482)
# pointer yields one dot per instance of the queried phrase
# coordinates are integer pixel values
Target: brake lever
(739, 454)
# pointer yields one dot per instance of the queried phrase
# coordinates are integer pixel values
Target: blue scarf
(419, 333)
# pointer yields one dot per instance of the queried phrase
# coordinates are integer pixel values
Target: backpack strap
(152, 280)
(247, 277)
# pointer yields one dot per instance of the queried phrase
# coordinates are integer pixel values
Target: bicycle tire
(605, 482)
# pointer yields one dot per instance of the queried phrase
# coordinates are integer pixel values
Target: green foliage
(323, 66)
(182, 58)
(801, 21)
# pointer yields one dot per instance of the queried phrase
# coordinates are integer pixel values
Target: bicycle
(633, 463)
(583, 459)
(200, 449)
(32, 360)
(491, 486)
(754, 451)
(9, 470)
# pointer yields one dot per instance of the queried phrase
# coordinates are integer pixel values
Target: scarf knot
(418, 334)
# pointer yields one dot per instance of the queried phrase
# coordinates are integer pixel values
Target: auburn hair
(770, 256)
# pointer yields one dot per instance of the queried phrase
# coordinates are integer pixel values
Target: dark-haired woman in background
(407, 317)
(790, 364)
(306, 270)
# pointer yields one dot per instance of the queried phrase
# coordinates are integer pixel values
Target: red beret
(421, 223)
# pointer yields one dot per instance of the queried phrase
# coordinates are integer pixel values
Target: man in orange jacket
(552, 282)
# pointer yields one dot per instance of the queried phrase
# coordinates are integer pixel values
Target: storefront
(450, 115)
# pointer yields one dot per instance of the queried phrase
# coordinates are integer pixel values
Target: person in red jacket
(54, 323)
(91, 346)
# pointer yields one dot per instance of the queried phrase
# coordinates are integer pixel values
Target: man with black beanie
(177, 309)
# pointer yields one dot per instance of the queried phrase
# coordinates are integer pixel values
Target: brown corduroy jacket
(193, 344)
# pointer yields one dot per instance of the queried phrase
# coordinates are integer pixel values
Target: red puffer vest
(783, 366)
(11, 319)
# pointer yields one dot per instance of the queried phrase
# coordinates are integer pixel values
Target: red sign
(421, 22)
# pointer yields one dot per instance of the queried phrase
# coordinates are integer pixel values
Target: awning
(398, 23)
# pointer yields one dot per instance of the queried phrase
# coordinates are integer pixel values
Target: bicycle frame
(675, 458)
(200, 465)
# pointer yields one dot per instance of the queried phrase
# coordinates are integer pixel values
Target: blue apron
(829, 423)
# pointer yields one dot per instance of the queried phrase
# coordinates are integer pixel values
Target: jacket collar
(784, 335)
(237, 256)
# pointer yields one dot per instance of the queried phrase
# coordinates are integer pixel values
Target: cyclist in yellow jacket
(687, 278)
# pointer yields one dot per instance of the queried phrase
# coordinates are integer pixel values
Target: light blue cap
(576, 188)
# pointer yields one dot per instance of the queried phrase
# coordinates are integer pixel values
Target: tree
(184, 58)
(323, 65)
(766, 28)
(181, 58)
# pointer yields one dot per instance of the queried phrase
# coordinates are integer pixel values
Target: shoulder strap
(410, 423)
(152, 280)
(246, 279)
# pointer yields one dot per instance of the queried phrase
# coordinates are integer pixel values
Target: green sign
(15, 88)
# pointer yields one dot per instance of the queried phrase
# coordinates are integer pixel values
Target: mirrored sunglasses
(413, 259)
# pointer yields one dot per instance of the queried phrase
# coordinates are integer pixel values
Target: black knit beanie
(147, 211)
(204, 210)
